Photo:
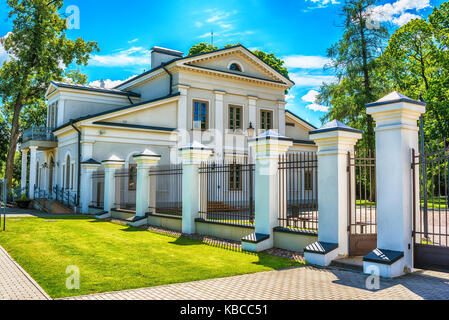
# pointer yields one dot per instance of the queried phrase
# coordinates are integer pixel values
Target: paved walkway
(15, 283)
(297, 284)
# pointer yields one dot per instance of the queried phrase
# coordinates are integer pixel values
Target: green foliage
(416, 63)
(201, 47)
(353, 58)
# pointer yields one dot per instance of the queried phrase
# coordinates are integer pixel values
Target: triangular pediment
(250, 65)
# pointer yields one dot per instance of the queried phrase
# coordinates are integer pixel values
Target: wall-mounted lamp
(250, 129)
(45, 165)
(57, 163)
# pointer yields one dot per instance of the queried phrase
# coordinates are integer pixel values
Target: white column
(145, 161)
(281, 108)
(192, 155)
(23, 179)
(219, 123)
(87, 169)
(110, 166)
(182, 107)
(396, 119)
(268, 147)
(334, 141)
(87, 148)
(252, 112)
(33, 169)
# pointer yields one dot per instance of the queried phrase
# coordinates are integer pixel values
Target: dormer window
(235, 67)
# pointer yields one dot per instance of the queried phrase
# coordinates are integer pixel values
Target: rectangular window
(200, 115)
(235, 177)
(235, 117)
(132, 175)
(72, 176)
(308, 180)
(266, 120)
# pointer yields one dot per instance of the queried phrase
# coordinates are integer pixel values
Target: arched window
(235, 67)
(67, 172)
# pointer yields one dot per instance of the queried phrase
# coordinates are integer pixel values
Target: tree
(39, 50)
(416, 63)
(353, 58)
(269, 58)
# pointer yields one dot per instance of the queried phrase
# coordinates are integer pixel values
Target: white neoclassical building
(213, 98)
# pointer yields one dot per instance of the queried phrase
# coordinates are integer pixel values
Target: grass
(115, 257)
(435, 203)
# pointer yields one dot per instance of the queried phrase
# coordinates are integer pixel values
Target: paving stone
(15, 283)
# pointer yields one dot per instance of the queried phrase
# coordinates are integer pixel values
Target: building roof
(90, 116)
(76, 86)
(197, 55)
(298, 117)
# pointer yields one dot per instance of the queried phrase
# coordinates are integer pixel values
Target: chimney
(161, 55)
(102, 83)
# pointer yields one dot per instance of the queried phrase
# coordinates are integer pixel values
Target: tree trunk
(14, 138)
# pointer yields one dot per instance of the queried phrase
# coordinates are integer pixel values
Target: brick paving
(15, 283)
(304, 283)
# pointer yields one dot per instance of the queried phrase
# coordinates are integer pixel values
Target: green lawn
(115, 257)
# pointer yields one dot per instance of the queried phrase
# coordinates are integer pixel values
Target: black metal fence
(227, 192)
(431, 222)
(98, 189)
(298, 191)
(362, 218)
(166, 180)
(125, 188)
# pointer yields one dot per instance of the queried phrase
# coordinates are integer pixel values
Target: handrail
(38, 133)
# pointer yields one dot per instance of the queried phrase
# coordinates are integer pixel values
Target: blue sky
(298, 31)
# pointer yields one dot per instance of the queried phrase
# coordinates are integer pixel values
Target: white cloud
(134, 56)
(4, 56)
(397, 12)
(289, 97)
(310, 96)
(198, 24)
(108, 83)
(308, 80)
(405, 18)
(133, 40)
(317, 107)
(305, 62)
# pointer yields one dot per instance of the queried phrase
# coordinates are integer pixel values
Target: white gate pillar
(23, 178)
(87, 168)
(268, 146)
(334, 141)
(110, 166)
(396, 119)
(33, 170)
(145, 161)
(192, 156)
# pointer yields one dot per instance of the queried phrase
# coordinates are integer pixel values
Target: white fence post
(145, 161)
(268, 147)
(192, 156)
(396, 119)
(87, 168)
(334, 141)
(110, 166)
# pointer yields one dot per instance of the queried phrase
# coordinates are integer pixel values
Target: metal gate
(362, 222)
(227, 192)
(431, 216)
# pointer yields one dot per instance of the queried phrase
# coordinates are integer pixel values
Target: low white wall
(167, 222)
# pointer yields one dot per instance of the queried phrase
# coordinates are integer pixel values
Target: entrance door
(50, 172)
(430, 169)
(362, 222)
